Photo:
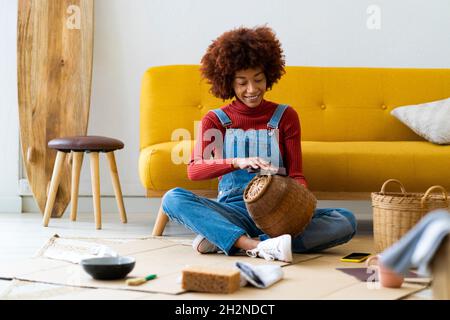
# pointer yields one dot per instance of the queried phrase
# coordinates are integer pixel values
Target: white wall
(9, 119)
(131, 36)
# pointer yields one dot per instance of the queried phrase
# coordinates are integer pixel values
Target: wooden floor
(21, 235)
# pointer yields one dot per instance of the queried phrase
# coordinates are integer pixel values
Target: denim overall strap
(224, 119)
(276, 118)
(273, 125)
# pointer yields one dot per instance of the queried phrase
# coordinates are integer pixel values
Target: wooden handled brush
(139, 281)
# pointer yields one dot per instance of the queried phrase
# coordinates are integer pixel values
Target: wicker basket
(395, 213)
(279, 205)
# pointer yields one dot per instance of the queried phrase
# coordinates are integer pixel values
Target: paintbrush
(139, 281)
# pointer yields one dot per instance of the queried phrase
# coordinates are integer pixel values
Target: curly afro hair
(240, 49)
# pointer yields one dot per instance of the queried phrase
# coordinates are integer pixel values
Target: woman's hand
(253, 163)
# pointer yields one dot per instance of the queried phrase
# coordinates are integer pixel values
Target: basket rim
(411, 195)
(269, 181)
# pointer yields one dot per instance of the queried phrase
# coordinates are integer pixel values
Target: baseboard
(10, 204)
(85, 189)
(361, 209)
(108, 205)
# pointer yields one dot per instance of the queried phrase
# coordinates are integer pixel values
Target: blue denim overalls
(223, 221)
(232, 185)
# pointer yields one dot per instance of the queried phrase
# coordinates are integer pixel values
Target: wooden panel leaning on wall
(55, 52)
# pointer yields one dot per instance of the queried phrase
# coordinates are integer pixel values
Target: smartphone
(356, 257)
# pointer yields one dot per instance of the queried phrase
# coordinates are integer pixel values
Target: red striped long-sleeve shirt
(244, 117)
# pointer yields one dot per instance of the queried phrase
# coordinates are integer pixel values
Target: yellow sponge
(210, 279)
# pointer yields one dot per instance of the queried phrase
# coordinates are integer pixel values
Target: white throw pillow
(429, 120)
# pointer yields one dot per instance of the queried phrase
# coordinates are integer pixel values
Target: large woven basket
(279, 205)
(395, 213)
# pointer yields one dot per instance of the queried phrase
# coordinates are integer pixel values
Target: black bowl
(108, 268)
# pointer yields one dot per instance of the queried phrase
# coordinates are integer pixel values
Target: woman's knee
(350, 218)
(175, 199)
(332, 227)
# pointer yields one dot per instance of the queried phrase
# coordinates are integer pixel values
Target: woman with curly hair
(243, 64)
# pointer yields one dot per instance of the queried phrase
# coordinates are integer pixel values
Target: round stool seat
(86, 143)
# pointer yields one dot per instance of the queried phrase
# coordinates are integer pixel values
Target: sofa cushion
(360, 166)
(429, 120)
(158, 172)
(364, 166)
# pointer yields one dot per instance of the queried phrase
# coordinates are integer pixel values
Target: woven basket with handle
(395, 213)
(279, 205)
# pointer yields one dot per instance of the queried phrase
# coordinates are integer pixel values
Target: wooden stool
(160, 223)
(77, 146)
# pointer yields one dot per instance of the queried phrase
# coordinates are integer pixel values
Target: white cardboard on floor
(310, 276)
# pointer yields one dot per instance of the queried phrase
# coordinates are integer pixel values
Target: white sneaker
(279, 248)
(202, 245)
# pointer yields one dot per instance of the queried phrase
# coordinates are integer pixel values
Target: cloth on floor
(417, 247)
(74, 251)
(429, 243)
(260, 276)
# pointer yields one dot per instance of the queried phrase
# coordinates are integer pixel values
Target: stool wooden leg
(116, 185)
(160, 223)
(95, 180)
(76, 168)
(54, 184)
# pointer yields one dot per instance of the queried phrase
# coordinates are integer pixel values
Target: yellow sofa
(351, 143)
